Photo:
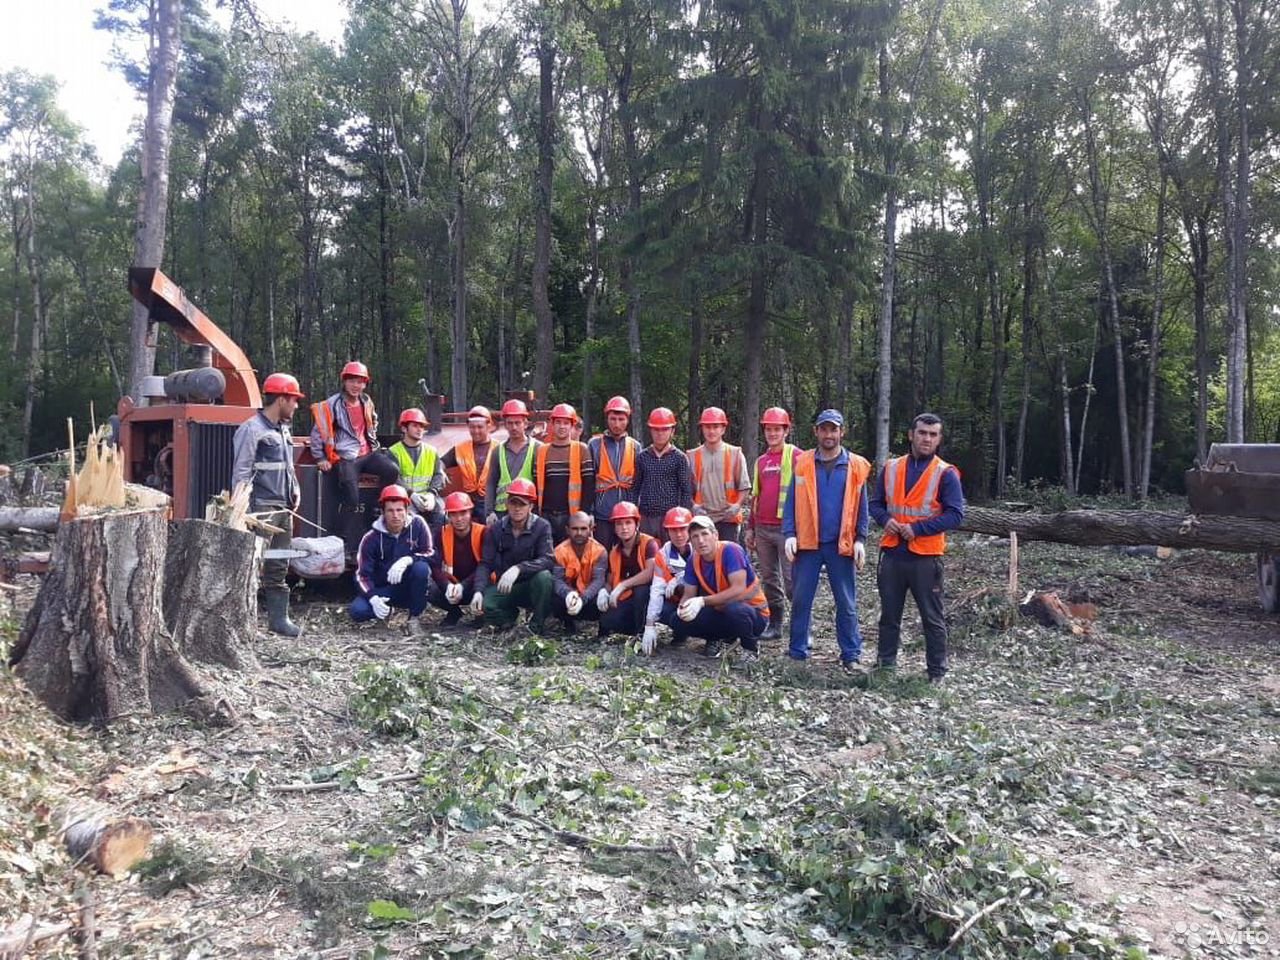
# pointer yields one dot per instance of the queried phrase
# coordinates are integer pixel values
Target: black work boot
(277, 604)
(774, 630)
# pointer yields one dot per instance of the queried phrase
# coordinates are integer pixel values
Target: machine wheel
(1269, 582)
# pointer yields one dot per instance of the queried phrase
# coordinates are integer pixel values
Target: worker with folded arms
(720, 481)
(455, 582)
(721, 599)
(513, 458)
(625, 599)
(421, 472)
(663, 477)
(614, 454)
(579, 572)
(518, 552)
(467, 462)
(263, 452)
(393, 564)
(563, 473)
(669, 564)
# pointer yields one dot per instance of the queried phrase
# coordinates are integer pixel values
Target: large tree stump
(94, 644)
(211, 592)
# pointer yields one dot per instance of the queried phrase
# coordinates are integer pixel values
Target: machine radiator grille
(212, 458)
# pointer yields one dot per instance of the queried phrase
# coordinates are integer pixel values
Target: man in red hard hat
(263, 456)
(461, 546)
(393, 567)
(563, 473)
(344, 437)
(770, 487)
(663, 478)
(510, 460)
(614, 454)
(421, 472)
(668, 573)
(518, 557)
(624, 600)
(467, 464)
(720, 478)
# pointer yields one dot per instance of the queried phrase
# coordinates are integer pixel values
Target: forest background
(1052, 222)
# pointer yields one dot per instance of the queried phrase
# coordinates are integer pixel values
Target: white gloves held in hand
(649, 641)
(477, 603)
(602, 600)
(381, 606)
(615, 596)
(508, 579)
(859, 555)
(453, 593)
(689, 609)
(670, 587)
(573, 603)
(424, 502)
(789, 548)
(395, 573)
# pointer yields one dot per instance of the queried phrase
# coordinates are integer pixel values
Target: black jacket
(531, 549)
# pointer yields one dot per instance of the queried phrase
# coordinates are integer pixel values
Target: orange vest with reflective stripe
(756, 598)
(806, 506)
(731, 493)
(473, 478)
(919, 503)
(447, 540)
(606, 479)
(577, 570)
(615, 561)
(322, 417)
(576, 448)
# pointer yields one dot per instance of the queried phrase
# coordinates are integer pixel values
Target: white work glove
(420, 502)
(859, 555)
(381, 606)
(508, 579)
(395, 573)
(689, 609)
(573, 603)
(429, 500)
(453, 593)
(670, 587)
(602, 600)
(477, 603)
(789, 548)
(649, 642)
(615, 595)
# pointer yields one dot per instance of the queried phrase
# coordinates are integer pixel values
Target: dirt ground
(1113, 793)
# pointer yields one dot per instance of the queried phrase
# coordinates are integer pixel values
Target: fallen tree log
(95, 835)
(43, 519)
(1120, 527)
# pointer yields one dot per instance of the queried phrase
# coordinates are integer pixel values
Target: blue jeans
(410, 592)
(805, 569)
(734, 621)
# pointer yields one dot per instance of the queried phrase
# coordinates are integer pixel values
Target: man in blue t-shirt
(721, 599)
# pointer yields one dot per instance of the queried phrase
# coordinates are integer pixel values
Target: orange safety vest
(919, 503)
(473, 478)
(615, 561)
(447, 539)
(731, 493)
(322, 417)
(756, 598)
(806, 480)
(577, 570)
(606, 479)
(576, 447)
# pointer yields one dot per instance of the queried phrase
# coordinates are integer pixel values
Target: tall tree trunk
(148, 247)
(1029, 285)
(1236, 226)
(1198, 234)
(628, 269)
(888, 269)
(1153, 356)
(1088, 396)
(34, 278)
(459, 389)
(756, 223)
(1064, 396)
(697, 337)
(15, 221)
(544, 356)
(593, 296)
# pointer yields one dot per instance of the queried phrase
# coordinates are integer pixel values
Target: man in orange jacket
(918, 499)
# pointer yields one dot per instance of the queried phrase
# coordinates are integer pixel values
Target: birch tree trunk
(1153, 355)
(544, 355)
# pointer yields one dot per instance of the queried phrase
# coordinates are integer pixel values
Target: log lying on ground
(211, 592)
(110, 842)
(1118, 527)
(43, 519)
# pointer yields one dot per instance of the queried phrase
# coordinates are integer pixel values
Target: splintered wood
(99, 484)
(232, 510)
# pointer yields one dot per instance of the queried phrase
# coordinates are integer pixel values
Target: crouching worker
(581, 562)
(668, 574)
(263, 448)
(517, 550)
(393, 563)
(455, 579)
(625, 600)
(721, 599)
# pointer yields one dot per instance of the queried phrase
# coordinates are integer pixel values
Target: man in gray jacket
(263, 448)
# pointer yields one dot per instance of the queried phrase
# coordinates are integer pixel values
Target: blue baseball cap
(829, 416)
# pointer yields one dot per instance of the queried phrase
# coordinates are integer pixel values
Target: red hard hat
(677, 517)
(480, 412)
(522, 488)
(662, 417)
(282, 385)
(624, 510)
(713, 415)
(618, 405)
(393, 492)
(515, 408)
(355, 369)
(564, 411)
(413, 415)
(775, 417)
(458, 503)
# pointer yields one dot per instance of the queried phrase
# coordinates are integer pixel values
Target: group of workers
(608, 531)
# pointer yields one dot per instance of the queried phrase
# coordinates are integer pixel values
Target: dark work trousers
(559, 525)
(274, 572)
(654, 528)
(604, 533)
(627, 618)
(897, 575)
(729, 531)
(588, 612)
(734, 621)
(375, 462)
(410, 593)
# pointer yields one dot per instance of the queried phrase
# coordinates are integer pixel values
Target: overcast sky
(57, 37)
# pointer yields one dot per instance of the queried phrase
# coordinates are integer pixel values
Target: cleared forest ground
(1106, 795)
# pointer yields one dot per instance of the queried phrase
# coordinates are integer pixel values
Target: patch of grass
(532, 651)
(393, 701)
(174, 865)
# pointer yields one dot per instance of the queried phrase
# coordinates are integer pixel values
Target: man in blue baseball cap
(825, 525)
